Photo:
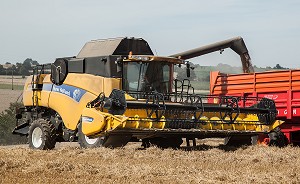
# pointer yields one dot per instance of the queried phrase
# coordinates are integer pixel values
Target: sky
(45, 30)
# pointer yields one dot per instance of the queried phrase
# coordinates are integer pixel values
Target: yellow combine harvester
(115, 91)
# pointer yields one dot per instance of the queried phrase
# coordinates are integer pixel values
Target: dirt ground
(18, 80)
(8, 96)
(205, 164)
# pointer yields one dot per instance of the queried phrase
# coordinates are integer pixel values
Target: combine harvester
(115, 91)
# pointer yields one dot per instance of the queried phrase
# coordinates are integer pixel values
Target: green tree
(27, 64)
(7, 124)
(23, 71)
(268, 68)
(278, 67)
(2, 70)
(181, 74)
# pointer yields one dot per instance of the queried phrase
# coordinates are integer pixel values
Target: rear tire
(42, 135)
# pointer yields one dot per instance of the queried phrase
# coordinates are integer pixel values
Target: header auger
(115, 91)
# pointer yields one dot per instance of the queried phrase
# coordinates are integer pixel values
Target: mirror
(188, 70)
(119, 64)
(119, 67)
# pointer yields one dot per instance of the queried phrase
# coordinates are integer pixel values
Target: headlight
(87, 119)
(141, 58)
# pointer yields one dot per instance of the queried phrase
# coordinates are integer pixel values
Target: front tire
(86, 142)
(108, 141)
(42, 135)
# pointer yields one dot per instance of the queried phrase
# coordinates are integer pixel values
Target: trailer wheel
(238, 141)
(163, 142)
(277, 138)
(111, 141)
(42, 135)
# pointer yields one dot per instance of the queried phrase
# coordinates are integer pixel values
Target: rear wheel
(42, 135)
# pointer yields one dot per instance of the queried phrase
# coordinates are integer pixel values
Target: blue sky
(44, 30)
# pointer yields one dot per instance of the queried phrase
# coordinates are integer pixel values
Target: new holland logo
(76, 95)
(70, 91)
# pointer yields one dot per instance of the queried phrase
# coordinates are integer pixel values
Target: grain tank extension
(115, 91)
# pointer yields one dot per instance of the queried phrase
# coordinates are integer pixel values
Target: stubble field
(7, 95)
(210, 162)
(206, 164)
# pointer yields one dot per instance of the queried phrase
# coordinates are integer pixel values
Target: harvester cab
(116, 90)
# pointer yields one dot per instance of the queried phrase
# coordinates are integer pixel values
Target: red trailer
(281, 86)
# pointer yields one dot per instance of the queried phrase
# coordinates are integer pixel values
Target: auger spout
(237, 44)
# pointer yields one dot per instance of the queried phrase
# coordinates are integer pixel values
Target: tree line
(22, 69)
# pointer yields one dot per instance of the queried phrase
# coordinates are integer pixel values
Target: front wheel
(86, 142)
(111, 141)
(42, 135)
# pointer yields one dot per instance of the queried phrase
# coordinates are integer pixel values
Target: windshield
(146, 76)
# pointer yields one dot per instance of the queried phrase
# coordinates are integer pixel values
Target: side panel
(27, 92)
(93, 121)
(110, 84)
(39, 97)
(281, 86)
(70, 98)
(69, 108)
